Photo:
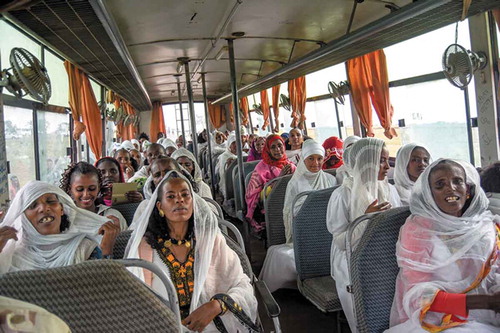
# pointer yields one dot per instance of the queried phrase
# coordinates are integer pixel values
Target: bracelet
(222, 306)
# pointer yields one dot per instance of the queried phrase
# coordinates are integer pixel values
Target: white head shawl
(127, 145)
(183, 152)
(205, 230)
(36, 251)
(136, 142)
(450, 251)
(365, 186)
(402, 180)
(168, 143)
(348, 142)
(304, 180)
(145, 145)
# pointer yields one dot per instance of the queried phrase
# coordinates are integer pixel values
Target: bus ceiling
(133, 47)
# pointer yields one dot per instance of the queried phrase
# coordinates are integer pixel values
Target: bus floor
(297, 313)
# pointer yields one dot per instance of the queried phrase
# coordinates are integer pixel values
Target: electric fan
(29, 76)
(460, 64)
(285, 102)
(120, 116)
(337, 91)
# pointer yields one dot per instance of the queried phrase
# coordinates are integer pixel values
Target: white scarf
(402, 180)
(183, 152)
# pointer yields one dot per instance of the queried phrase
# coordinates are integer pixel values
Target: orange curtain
(157, 123)
(369, 79)
(276, 107)
(245, 108)
(264, 105)
(84, 104)
(217, 115)
(297, 95)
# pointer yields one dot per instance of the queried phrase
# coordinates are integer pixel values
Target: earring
(468, 196)
(160, 211)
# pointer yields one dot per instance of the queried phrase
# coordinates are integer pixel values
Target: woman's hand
(129, 171)
(287, 169)
(201, 317)
(375, 207)
(484, 302)
(110, 231)
(134, 196)
(7, 233)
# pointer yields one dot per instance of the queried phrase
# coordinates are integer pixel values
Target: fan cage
(30, 74)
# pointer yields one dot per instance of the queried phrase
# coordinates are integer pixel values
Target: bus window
(58, 79)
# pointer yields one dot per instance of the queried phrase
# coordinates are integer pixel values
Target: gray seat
(274, 210)
(229, 180)
(127, 210)
(332, 172)
(312, 246)
(373, 269)
(248, 168)
(93, 296)
(121, 244)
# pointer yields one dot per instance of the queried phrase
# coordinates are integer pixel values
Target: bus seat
(248, 168)
(373, 268)
(215, 207)
(229, 180)
(273, 204)
(332, 172)
(121, 244)
(95, 296)
(127, 210)
(312, 245)
(247, 179)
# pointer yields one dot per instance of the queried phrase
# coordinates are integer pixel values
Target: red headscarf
(266, 153)
(333, 147)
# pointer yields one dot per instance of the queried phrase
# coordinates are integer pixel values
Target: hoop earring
(162, 214)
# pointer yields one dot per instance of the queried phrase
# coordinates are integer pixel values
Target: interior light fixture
(221, 52)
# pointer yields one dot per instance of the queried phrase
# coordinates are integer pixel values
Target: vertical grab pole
(236, 111)
(192, 116)
(209, 136)
(179, 95)
(469, 126)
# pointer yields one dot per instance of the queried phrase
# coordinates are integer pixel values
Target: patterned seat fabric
(127, 210)
(121, 244)
(248, 168)
(374, 270)
(274, 212)
(321, 291)
(94, 296)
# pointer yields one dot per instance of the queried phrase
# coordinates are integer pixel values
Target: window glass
(10, 39)
(96, 88)
(58, 79)
(20, 147)
(53, 141)
(423, 54)
(317, 82)
(321, 120)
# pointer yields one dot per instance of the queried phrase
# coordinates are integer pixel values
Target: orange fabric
(276, 107)
(297, 95)
(369, 79)
(231, 112)
(157, 123)
(217, 115)
(291, 96)
(245, 110)
(84, 104)
(264, 105)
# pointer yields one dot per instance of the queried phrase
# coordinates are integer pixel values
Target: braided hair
(80, 168)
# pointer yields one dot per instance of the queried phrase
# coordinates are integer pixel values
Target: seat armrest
(272, 307)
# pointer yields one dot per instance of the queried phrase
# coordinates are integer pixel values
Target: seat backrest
(312, 241)
(93, 296)
(127, 210)
(332, 172)
(229, 180)
(373, 268)
(274, 211)
(248, 168)
(245, 262)
(121, 243)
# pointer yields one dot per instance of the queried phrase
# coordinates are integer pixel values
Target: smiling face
(109, 171)
(123, 157)
(449, 189)
(384, 163)
(187, 164)
(277, 149)
(176, 201)
(45, 214)
(259, 144)
(419, 160)
(84, 189)
(314, 162)
(296, 139)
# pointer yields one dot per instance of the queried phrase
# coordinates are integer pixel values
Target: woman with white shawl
(169, 146)
(279, 270)
(179, 233)
(44, 229)
(186, 160)
(447, 252)
(411, 161)
(367, 191)
(225, 160)
(344, 171)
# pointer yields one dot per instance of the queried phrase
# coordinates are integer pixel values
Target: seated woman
(295, 139)
(449, 277)
(333, 153)
(344, 171)
(279, 269)
(112, 172)
(43, 229)
(274, 164)
(169, 145)
(82, 182)
(490, 182)
(179, 233)
(127, 163)
(256, 148)
(367, 191)
(186, 160)
(411, 161)
(225, 159)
